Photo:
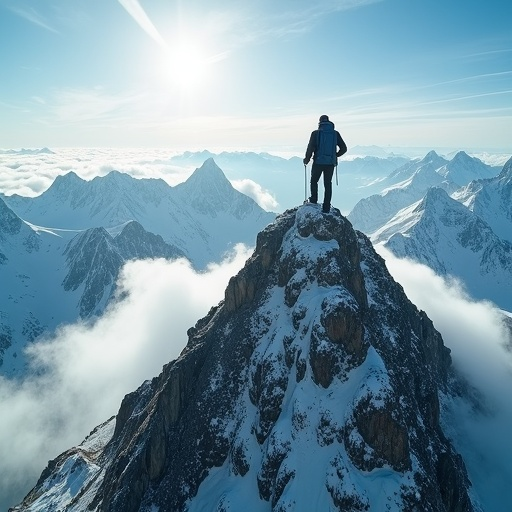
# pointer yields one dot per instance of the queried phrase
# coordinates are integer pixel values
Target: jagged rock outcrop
(314, 385)
(95, 259)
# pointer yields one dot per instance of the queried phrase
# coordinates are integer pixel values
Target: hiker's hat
(323, 118)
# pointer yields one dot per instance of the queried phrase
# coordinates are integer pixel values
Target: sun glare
(188, 65)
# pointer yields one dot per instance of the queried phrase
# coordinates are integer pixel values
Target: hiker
(322, 146)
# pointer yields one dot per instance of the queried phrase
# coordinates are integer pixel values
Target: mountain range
(409, 183)
(284, 177)
(68, 269)
(203, 217)
(314, 385)
(458, 229)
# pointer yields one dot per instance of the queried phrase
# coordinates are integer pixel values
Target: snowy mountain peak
(210, 193)
(438, 204)
(114, 178)
(209, 173)
(461, 157)
(313, 386)
(67, 180)
(432, 160)
(94, 259)
(435, 195)
(463, 169)
(431, 156)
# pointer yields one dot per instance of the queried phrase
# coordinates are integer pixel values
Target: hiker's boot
(326, 208)
(312, 201)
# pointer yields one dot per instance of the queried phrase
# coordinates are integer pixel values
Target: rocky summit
(314, 385)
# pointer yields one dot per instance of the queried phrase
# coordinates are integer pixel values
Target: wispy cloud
(473, 78)
(33, 16)
(72, 105)
(245, 23)
(267, 20)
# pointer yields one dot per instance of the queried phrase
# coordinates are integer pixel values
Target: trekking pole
(305, 184)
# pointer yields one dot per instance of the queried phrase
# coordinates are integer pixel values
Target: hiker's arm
(341, 145)
(311, 147)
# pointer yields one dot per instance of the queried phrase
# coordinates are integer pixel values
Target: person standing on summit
(322, 146)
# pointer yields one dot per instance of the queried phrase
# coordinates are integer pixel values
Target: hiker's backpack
(325, 152)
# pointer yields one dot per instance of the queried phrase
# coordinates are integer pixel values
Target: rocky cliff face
(314, 385)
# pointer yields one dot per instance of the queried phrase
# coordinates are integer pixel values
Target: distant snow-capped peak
(463, 169)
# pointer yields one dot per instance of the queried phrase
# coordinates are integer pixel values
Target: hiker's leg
(315, 176)
(328, 185)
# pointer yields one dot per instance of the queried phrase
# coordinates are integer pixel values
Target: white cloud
(79, 377)
(478, 338)
(262, 196)
(30, 175)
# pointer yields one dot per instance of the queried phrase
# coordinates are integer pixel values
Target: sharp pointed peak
(432, 156)
(461, 154)
(209, 170)
(210, 163)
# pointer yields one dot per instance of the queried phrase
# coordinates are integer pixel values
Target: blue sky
(229, 74)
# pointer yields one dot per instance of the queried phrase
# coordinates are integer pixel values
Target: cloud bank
(29, 175)
(478, 337)
(79, 377)
(263, 197)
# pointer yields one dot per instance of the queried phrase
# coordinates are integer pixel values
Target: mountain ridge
(183, 215)
(315, 354)
(443, 234)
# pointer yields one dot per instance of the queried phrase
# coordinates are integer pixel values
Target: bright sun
(188, 65)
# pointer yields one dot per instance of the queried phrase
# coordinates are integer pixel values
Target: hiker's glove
(306, 161)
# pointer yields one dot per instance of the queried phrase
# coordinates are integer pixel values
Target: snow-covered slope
(314, 385)
(462, 169)
(375, 211)
(31, 272)
(491, 200)
(203, 217)
(50, 277)
(449, 238)
(410, 182)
